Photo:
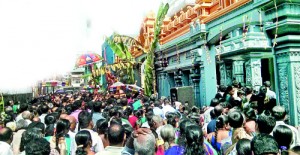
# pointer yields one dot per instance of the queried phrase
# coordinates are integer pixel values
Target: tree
(150, 81)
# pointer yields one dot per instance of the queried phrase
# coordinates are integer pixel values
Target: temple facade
(206, 43)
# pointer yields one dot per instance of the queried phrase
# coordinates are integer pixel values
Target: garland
(177, 55)
(276, 24)
(220, 45)
(206, 50)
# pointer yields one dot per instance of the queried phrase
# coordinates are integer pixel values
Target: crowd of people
(238, 121)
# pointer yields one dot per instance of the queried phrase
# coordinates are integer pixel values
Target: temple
(207, 43)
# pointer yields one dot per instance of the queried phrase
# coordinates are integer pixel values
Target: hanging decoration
(260, 20)
(245, 28)
(206, 50)
(276, 24)
(177, 54)
(220, 45)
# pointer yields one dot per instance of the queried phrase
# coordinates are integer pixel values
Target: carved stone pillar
(223, 74)
(253, 73)
(195, 76)
(238, 70)
(287, 55)
(228, 75)
(288, 78)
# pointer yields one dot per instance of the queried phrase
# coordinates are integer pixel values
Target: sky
(43, 38)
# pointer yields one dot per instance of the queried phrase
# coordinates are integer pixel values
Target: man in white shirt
(116, 137)
(168, 108)
(6, 137)
(86, 123)
(271, 94)
(279, 114)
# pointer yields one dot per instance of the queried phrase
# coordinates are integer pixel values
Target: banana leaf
(86, 76)
(116, 48)
(128, 41)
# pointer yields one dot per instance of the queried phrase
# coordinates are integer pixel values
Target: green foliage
(85, 76)
(117, 48)
(150, 82)
(121, 50)
(128, 41)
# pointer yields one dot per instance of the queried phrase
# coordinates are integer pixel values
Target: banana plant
(150, 81)
(121, 50)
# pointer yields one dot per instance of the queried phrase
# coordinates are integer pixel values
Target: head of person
(97, 106)
(128, 130)
(26, 115)
(38, 146)
(23, 107)
(264, 144)
(265, 123)
(145, 144)
(157, 121)
(229, 90)
(123, 101)
(222, 122)
(72, 121)
(222, 88)
(128, 111)
(50, 119)
(218, 110)
(145, 99)
(36, 119)
(28, 135)
(85, 120)
(84, 141)
(6, 135)
(44, 109)
(243, 147)
(194, 140)
(248, 90)
(167, 133)
(102, 126)
(249, 114)
(62, 128)
(267, 84)
(22, 124)
(235, 83)
(235, 119)
(283, 136)
(116, 134)
(38, 125)
(279, 113)
(76, 105)
(214, 102)
(262, 90)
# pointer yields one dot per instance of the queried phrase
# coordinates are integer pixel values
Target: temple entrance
(267, 71)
